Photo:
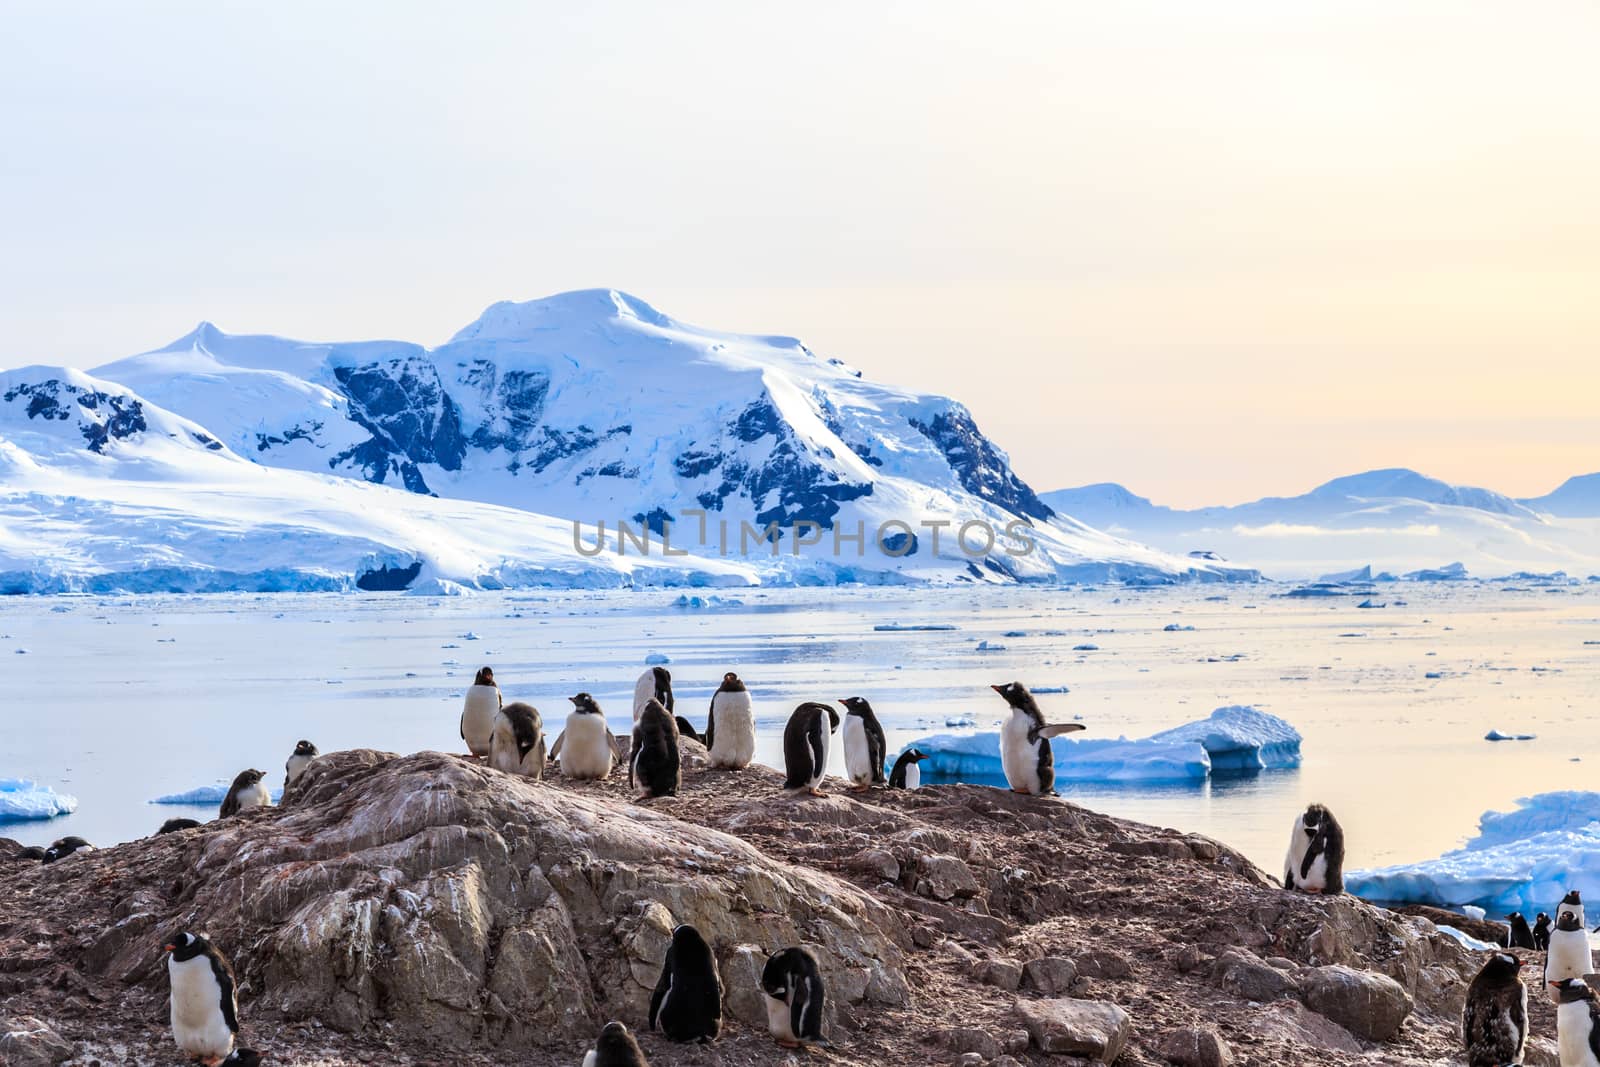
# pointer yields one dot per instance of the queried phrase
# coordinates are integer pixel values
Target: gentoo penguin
(64, 847)
(584, 747)
(517, 744)
(1541, 932)
(172, 826)
(686, 729)
(1521, 936)
(1025, 753)
(653, 765)
(205, 1005)
(864, 746)
(731, 726)
(304, 752)
(32, 852)
(1572, 902)
(1494, 1023)
(245, 793)
(687, 1002)
(1568, 955)
(795, 998)
(615, 1047)
(654, 684)
(907, 774)
(805, 746)
(483, 702)
(1577, 1024)
(1315, 863)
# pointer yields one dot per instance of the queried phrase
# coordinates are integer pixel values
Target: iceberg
(206, 794)
(1359, 574)
(1241, 738)
(1523, 860)
(1232, 739)
(1498, 735)
(22, 799)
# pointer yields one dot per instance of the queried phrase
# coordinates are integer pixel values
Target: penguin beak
(169, 948)
(998, 689)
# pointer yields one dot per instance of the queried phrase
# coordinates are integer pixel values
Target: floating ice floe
(22, 799)
(685, 600)
(1497, 735)
(1232, 739)
(657, 658)
(1173, 627)
(904, 627)
(206, 794)
(1523, 860)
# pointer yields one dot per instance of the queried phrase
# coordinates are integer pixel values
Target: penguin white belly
(198, 1025)
(296, 767)
(1019, 757)
(477, 717)
(821, 770)
(1317, 876)
(1572, 1035)
(857, 753)
(733, 742)
(588, 1059)
(913, 775)
(779, 1022)
(586, 753)
(254, 796)
(1569, 956)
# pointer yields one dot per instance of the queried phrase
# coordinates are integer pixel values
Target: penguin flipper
(1059, 728)
(662, 985)
(555, 749)
(711, 724)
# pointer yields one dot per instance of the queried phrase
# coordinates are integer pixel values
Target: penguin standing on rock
(1568, 955)
(245, 793)
(864, 745)
(906, 773)
(204, 1001)
(1025, 753)
(654, 684)
(517, 744)
(1541, 932)
(1577, 1024)
(483, 702)
(585, 747)
(687, 1002)
(1315, 863)
(654, 765)
(1494, 1023)
(1521, 936)
(731, 726)
(795, 998)
(299, 760)
(615, 1047)
(805, 746)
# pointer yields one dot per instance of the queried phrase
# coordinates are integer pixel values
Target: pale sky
(1210, 250)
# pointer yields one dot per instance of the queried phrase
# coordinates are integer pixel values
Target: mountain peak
(575, 309)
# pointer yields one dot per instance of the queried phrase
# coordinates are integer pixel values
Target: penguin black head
(1503, 967)
(687, 937)
(915, 755)
(1515, 916)
(305, 748)
(1311, 821)
(584, 704)
(1572, 897)
(250, 777)
(1568, 922)
(64, 847)
(1573, 989)
(856, 705)
(485, 676)
(1541, 919)
(185, 946)
(172, 826)
(731, 681)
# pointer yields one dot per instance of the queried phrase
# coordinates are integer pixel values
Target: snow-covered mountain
(1397, 520)
(474, 461)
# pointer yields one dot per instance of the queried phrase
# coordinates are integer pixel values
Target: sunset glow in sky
(1212, 251)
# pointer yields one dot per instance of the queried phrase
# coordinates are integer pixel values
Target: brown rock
(1104, 963)
(1001, 973)
(1191, 1047)
(969, 1039)
(1051, 975)
(27, 1042)
(945, 878)
(1369, 1005)
(1092, 1029)
(1247, 977)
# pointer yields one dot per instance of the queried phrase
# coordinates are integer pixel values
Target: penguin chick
(1315, 863)
(615, 1047)
(796, 1001)
(1494, 1021)
(1577, 1023)
(172, 826)
(687, 1002)
(304, 752)
(654, 765)
(245, 793)
(730, 726)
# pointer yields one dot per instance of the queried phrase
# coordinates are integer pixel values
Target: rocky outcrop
(425, 909)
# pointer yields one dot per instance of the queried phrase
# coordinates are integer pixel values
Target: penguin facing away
(906, 773)
(517, 744)
(304, 752)
(1572, 902)
(63, 847)
(805, 747)
(585, 746)
(654, 684)
(654, 766)
(796, 1000)
(478, 710)
(1494, 1021)
(687, 1002)
(172, 826)
(204, 1001)
(1521, 936)
(245, 793)
(1541, 932)
(731, 726)
(1577, 1024)
(1025, 754)
(615, 1047)
(864, 746)
(1568, 955)
(1315, 863)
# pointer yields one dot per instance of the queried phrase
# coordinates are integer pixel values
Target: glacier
(23, 799)
(1522, 860)
(1233, 739)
